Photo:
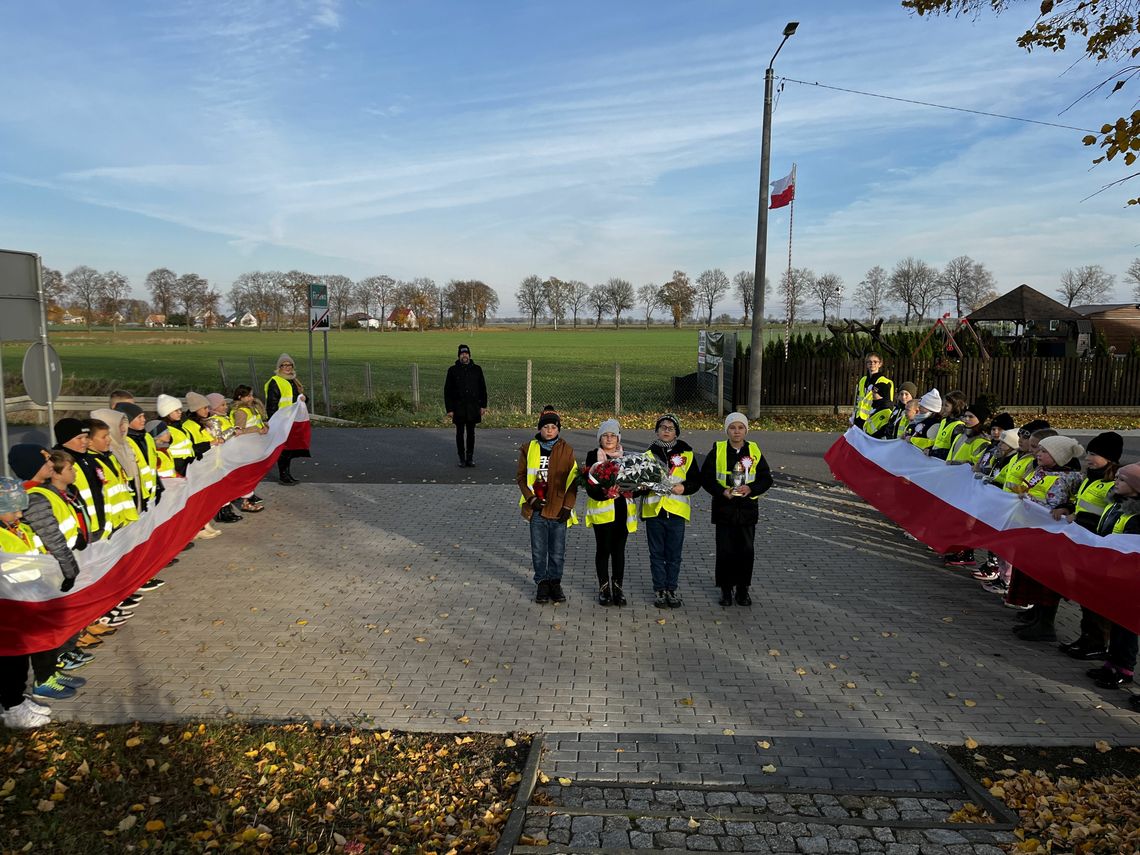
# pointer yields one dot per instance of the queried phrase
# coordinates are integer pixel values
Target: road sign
(43, 378)
(19, 296)
(318, 306)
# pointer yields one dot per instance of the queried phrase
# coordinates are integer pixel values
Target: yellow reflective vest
(600, 512)
(1015, 471)
(1092, 497)
(148, 466)
(118, 498)
(945, 436)
(534, 466)
(20, 540)
(165, 464)
(677, 463)
(284, 387)
(1042, 483)
(724, 477)
(180, 445)
(968, 449)
(65, 514)
(253, 420)
(877, 421)
(864, 396)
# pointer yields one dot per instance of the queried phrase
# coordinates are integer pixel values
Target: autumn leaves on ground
(274, 788)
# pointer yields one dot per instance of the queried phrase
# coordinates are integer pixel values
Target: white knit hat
(932, 401)
(1061, 448)
(609, 426)
(1010, 438)
(166, 404)
(735, 417)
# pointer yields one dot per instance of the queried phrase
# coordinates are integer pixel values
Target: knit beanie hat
(609, 426)
(1003, 421)
(463, 349)
(1036, 424)
(195, 401)
(909, 388)
(735, 417)
(1129, 474)
(1109, 445)
(166, 404)
(284, 358)
(216, 399)
(131, 411)
(1010, 438)
(26, 459)
(549, 418)
(157, 427)
(669, 417)
(12, 496)
(980, 410)
(932, 401)
(1062, 448)
(68, 429)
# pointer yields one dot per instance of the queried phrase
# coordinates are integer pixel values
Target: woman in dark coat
(735, 473)
(465, 397)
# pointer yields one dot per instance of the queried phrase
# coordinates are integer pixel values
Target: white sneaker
(207, 533)
(23, 717)
(38, 708)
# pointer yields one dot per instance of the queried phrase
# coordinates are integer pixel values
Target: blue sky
(493, 140)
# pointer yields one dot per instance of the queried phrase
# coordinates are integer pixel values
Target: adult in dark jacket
(735, 473)
(465, 397)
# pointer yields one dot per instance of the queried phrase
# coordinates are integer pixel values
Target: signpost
(319, 320)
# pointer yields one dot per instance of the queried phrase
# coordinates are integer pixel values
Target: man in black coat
(465, 396)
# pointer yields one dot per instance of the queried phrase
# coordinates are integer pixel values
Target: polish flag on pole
(784, 190)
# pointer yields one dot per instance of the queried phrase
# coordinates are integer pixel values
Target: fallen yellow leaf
(693, 823)
(566, 782)
(463, 719)
(1102, 746)
(302, 622)
(728, 731)
(510, 743)
(134, 742)
(661, 621)
(155, 825)
(128, 822)
(971, 743)
(768, 770)
(765, 744)
(970, 703)
(543, 778)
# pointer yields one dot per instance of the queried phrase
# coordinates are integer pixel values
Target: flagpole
(788, 305)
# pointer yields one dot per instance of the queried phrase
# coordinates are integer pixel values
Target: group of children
(100, 476)
(1084, 486)
(734, 473)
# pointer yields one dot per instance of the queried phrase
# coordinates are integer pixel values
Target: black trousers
(609, 539)
(1122, 647)
(43, 663)
(465, 439)
(735, 554)
(13, 680)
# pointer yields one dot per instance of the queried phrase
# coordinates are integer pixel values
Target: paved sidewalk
(410, 606)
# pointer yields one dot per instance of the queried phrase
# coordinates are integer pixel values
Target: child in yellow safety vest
(142, 447)
(612, 517)
(667, 516)
(966, 448)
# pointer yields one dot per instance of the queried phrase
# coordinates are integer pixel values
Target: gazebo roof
(1024, 304)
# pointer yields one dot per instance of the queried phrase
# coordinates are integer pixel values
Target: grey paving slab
(411, 606)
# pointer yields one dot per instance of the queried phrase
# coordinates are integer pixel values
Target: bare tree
(484, 300)
(711, 286)
(557, 297)
(55, 288)
(531, 298)
(210, 306)
(421, 300)
(364, 295)
(579, 294)
(796, 287)
(649, 296)
(295, 289)
(914, 283)
(160, 284)
(1088, 284)
(1132, 276)
(113, 290)
(189, 291)
(965, 280)
(827, 291)
(341, 292)
(599, 301)
(620, 293)
(678, 295)
(871, 294)
(383, 289)
(744, 284)
(85, 285)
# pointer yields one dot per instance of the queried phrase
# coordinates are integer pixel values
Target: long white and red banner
(946, 508)
(35, 615)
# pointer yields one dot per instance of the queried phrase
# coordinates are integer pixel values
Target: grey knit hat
(12, 496)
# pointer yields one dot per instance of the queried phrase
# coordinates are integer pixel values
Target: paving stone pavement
(411, 606)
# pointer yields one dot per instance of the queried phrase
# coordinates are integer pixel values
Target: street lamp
(754, 372)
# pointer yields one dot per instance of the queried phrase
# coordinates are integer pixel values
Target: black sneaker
(618, 597)
(151, 584)
(673, 599)
(470, 462)
(543, 593)
(605, 598)
(556, 593)
(725, 597)
(1101, 673)
(1116, 680)
(742, 596)
(660, 600)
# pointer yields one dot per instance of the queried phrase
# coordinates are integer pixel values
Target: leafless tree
(55, 288)
(210, 307)
(579, 295)
(620, 293)
(871, 294)
(382, 288)
(421, 299)
(531, 298)
(85, 285)
(113, 290)
(796, 287)
(1088, 284)
(557, 297)
(914, 283)
(160, 284)
(599, 301)
(744, 283)
(341, 292)
(965, 280)
(1132, 276)
(296, 291)
(711, 286)
(678, 295)
(827, 291)
(189, 290)
(649, 297)
(485, 301)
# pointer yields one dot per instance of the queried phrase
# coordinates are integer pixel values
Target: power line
(938, 106)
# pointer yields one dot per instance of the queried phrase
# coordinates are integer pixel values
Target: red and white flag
(784, 190)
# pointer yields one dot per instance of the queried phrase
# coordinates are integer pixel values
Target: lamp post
(754, 372)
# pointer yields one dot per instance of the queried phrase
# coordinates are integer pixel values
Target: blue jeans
(666, 537)
(547, 548)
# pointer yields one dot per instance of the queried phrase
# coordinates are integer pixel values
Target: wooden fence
(1010, 382)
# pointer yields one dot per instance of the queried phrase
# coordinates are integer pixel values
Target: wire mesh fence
(523, 386)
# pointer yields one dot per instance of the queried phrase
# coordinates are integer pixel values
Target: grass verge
(254, 788)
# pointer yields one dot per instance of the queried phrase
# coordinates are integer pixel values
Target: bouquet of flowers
(639, 472)
(605, 474)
